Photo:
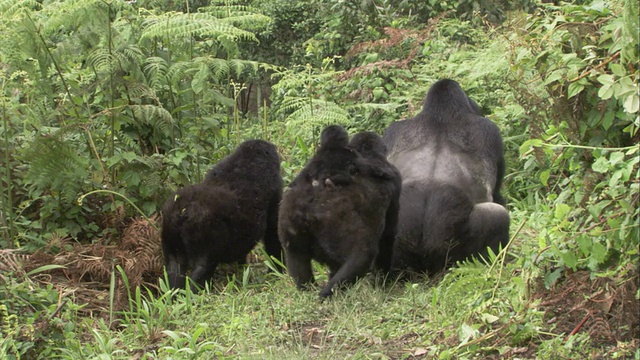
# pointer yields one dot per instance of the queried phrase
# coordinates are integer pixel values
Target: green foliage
(106, 95)
(32, 320)
(581, 80)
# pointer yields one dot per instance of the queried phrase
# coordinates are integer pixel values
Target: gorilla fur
(349, 227)
(221, 219)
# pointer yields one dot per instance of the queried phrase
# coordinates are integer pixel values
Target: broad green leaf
(615, 178)
(129, 156)
(584, 244)
(606, 79)
(596, 209)
(617, 69)
(574, 89)
(552, 277)
(607, 119)
(601, 165)
(561, 211)
(598, 252)
(488, 318)
(527, 145)
(544, 177)
(605, 92)
(616, 157)
(632, 104)
(570, 259)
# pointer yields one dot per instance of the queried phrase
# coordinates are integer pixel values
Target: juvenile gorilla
(348, 227)
(452, 164)
(335, 162)
(221, 219)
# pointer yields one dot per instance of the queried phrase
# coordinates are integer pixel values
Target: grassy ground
(475, 311)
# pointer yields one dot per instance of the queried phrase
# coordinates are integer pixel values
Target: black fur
(349, 227)
(452, 164)
(221, 219)
(334, 163)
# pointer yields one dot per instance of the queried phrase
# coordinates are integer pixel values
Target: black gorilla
(348, 227)
(335, 162)
(452, 164)
(221, 219)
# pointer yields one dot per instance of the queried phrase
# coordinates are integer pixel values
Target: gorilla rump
(348, 227)
(452, 165)
(221, 219)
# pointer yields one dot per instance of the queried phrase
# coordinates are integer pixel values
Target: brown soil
(605, 308)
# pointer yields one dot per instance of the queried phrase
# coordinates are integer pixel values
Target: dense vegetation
(108, 106)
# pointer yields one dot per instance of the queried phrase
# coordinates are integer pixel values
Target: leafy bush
(576, 73)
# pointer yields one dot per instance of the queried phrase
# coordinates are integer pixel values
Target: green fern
(243, 16)
(310, 114)
(128, 141)
(73, 13)
(156, 116)
(56, 166)
(9, 8)
(156, 70)
(175, 24)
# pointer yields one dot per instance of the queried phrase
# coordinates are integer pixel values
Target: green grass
(475, 311)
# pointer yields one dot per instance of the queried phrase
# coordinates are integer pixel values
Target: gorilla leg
(357, 264)
(175, 271)
(385, 252)
(203, 270)
(272, 244)
(446, 213)
(299, 267)
(488, 226)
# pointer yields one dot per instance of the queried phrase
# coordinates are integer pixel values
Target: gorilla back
(348, 227)
(452, 164)
(221, 219)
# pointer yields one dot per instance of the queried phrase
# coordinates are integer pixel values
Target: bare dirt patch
(605, 308)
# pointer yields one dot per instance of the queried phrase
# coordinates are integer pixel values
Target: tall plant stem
(8, 204)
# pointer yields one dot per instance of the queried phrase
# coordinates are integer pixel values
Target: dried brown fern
(11, 260)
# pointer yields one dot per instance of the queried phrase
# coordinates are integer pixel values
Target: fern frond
(156, 116)
(141, 90)
(72, 13)
(128, 142)
(239, 66)
(155, 69)
(9, 8)
(307, 114)
(132, 53)
(179, 70)
(174, 24)
(101, 60)
(55, 166)
(219, 67)
(248, 21)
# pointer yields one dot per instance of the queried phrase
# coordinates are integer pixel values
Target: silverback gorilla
(452, 164)
(221, 219)
(348, 227)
